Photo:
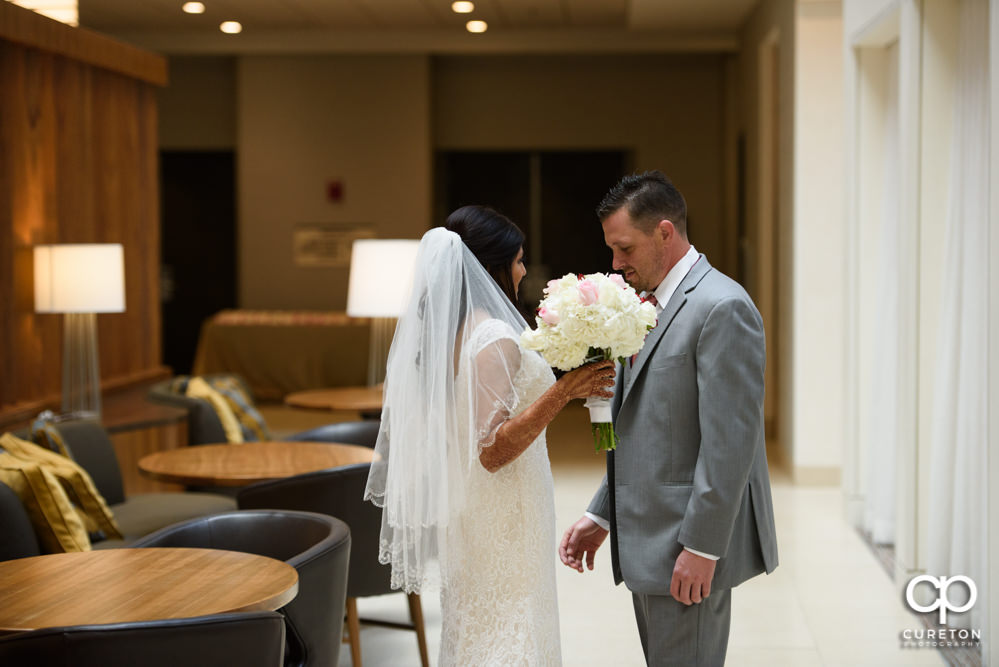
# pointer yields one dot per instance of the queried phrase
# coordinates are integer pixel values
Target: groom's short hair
(648, 197)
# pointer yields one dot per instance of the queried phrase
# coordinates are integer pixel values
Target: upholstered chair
(339, 492)
(17, 537)
(248, 639)
(363, 433)
(316, 545)
(203, 423)
(139, 514)
(206, 427)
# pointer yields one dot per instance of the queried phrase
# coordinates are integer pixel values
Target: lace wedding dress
(498, 595)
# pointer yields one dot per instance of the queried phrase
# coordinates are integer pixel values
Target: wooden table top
(119, 585)
(364, 399)
(248, 463)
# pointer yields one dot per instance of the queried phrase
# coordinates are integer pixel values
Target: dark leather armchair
(316, 545)
(249, 639)
(140, 514)
(17, 537)
(340, 492)
(203, 425)
(363, 433)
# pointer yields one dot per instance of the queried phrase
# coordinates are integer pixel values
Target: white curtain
(881, 443)
(958, 529)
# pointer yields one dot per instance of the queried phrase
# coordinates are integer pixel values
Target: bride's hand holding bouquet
(590, 318)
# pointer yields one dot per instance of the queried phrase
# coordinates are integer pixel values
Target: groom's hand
(580, 543)
(692, 577)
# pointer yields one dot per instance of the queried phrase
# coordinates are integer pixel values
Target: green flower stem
(604, 437)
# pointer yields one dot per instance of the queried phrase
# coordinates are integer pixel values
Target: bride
(463, 475)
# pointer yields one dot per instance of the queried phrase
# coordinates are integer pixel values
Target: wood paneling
(131, 446)
(78, 164)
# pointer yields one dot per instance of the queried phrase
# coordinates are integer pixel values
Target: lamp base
(81, 382)
(382, 332)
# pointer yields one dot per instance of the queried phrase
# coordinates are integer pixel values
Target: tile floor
(829, 603)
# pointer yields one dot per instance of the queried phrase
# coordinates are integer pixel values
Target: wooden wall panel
(78, 164)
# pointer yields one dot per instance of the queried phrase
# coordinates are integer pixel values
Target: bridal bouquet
(589, 318)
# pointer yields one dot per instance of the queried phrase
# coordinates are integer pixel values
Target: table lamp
(381, 278)
(80, 280)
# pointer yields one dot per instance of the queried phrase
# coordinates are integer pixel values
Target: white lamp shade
(381, 277)
(80, 278)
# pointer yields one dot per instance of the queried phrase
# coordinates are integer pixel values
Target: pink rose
(549, 317)
(588, 293)
(552, 287)
(617, 280)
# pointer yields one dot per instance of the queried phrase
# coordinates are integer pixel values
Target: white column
(818, 256)
(910, 82)
(990, 653)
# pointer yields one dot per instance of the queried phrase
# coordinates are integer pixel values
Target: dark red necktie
(651, 298)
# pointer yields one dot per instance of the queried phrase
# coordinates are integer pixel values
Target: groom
(687, 494)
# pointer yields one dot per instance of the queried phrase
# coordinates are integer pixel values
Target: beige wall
(668, 111)
(303, 121)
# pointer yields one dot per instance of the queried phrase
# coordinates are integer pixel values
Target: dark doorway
(572, 186)
(551, 195)
(199, 246)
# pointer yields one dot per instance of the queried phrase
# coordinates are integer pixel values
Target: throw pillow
(79, 486)
(198, 388)
(252, 422)
(56, 522)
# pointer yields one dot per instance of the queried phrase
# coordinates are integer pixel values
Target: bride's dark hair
(494, 240)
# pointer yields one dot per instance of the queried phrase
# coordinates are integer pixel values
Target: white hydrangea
(591, 311)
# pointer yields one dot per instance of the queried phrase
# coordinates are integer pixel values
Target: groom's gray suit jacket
(691, 467)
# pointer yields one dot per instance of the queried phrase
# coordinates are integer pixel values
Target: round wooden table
(248, 463)
(119, 585)
(362, 399)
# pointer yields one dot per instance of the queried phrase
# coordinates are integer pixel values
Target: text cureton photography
(936, 594)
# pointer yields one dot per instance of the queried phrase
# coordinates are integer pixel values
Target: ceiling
(287, 26)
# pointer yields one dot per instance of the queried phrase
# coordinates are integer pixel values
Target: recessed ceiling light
(194, 7)
(231, 27)
(462, 7)
(476, 26)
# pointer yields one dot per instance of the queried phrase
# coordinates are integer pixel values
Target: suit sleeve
(730, 356)
(600, 505)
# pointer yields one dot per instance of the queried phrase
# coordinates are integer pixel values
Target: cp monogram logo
(943, 601)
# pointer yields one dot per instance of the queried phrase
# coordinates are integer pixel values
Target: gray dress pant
(676, 635)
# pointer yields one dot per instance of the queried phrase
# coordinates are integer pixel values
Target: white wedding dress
(498, 594)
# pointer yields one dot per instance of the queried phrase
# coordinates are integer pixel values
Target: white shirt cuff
(701, 553)
(600, 521)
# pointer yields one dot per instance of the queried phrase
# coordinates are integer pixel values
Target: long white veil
(449, 385)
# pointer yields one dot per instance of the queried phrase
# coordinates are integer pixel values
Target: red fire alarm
(334, 191)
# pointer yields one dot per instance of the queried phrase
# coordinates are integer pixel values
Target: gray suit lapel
(672, 309)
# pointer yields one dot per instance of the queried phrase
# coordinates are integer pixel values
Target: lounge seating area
(314, 536)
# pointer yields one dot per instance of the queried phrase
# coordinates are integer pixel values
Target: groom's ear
(665, 230)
